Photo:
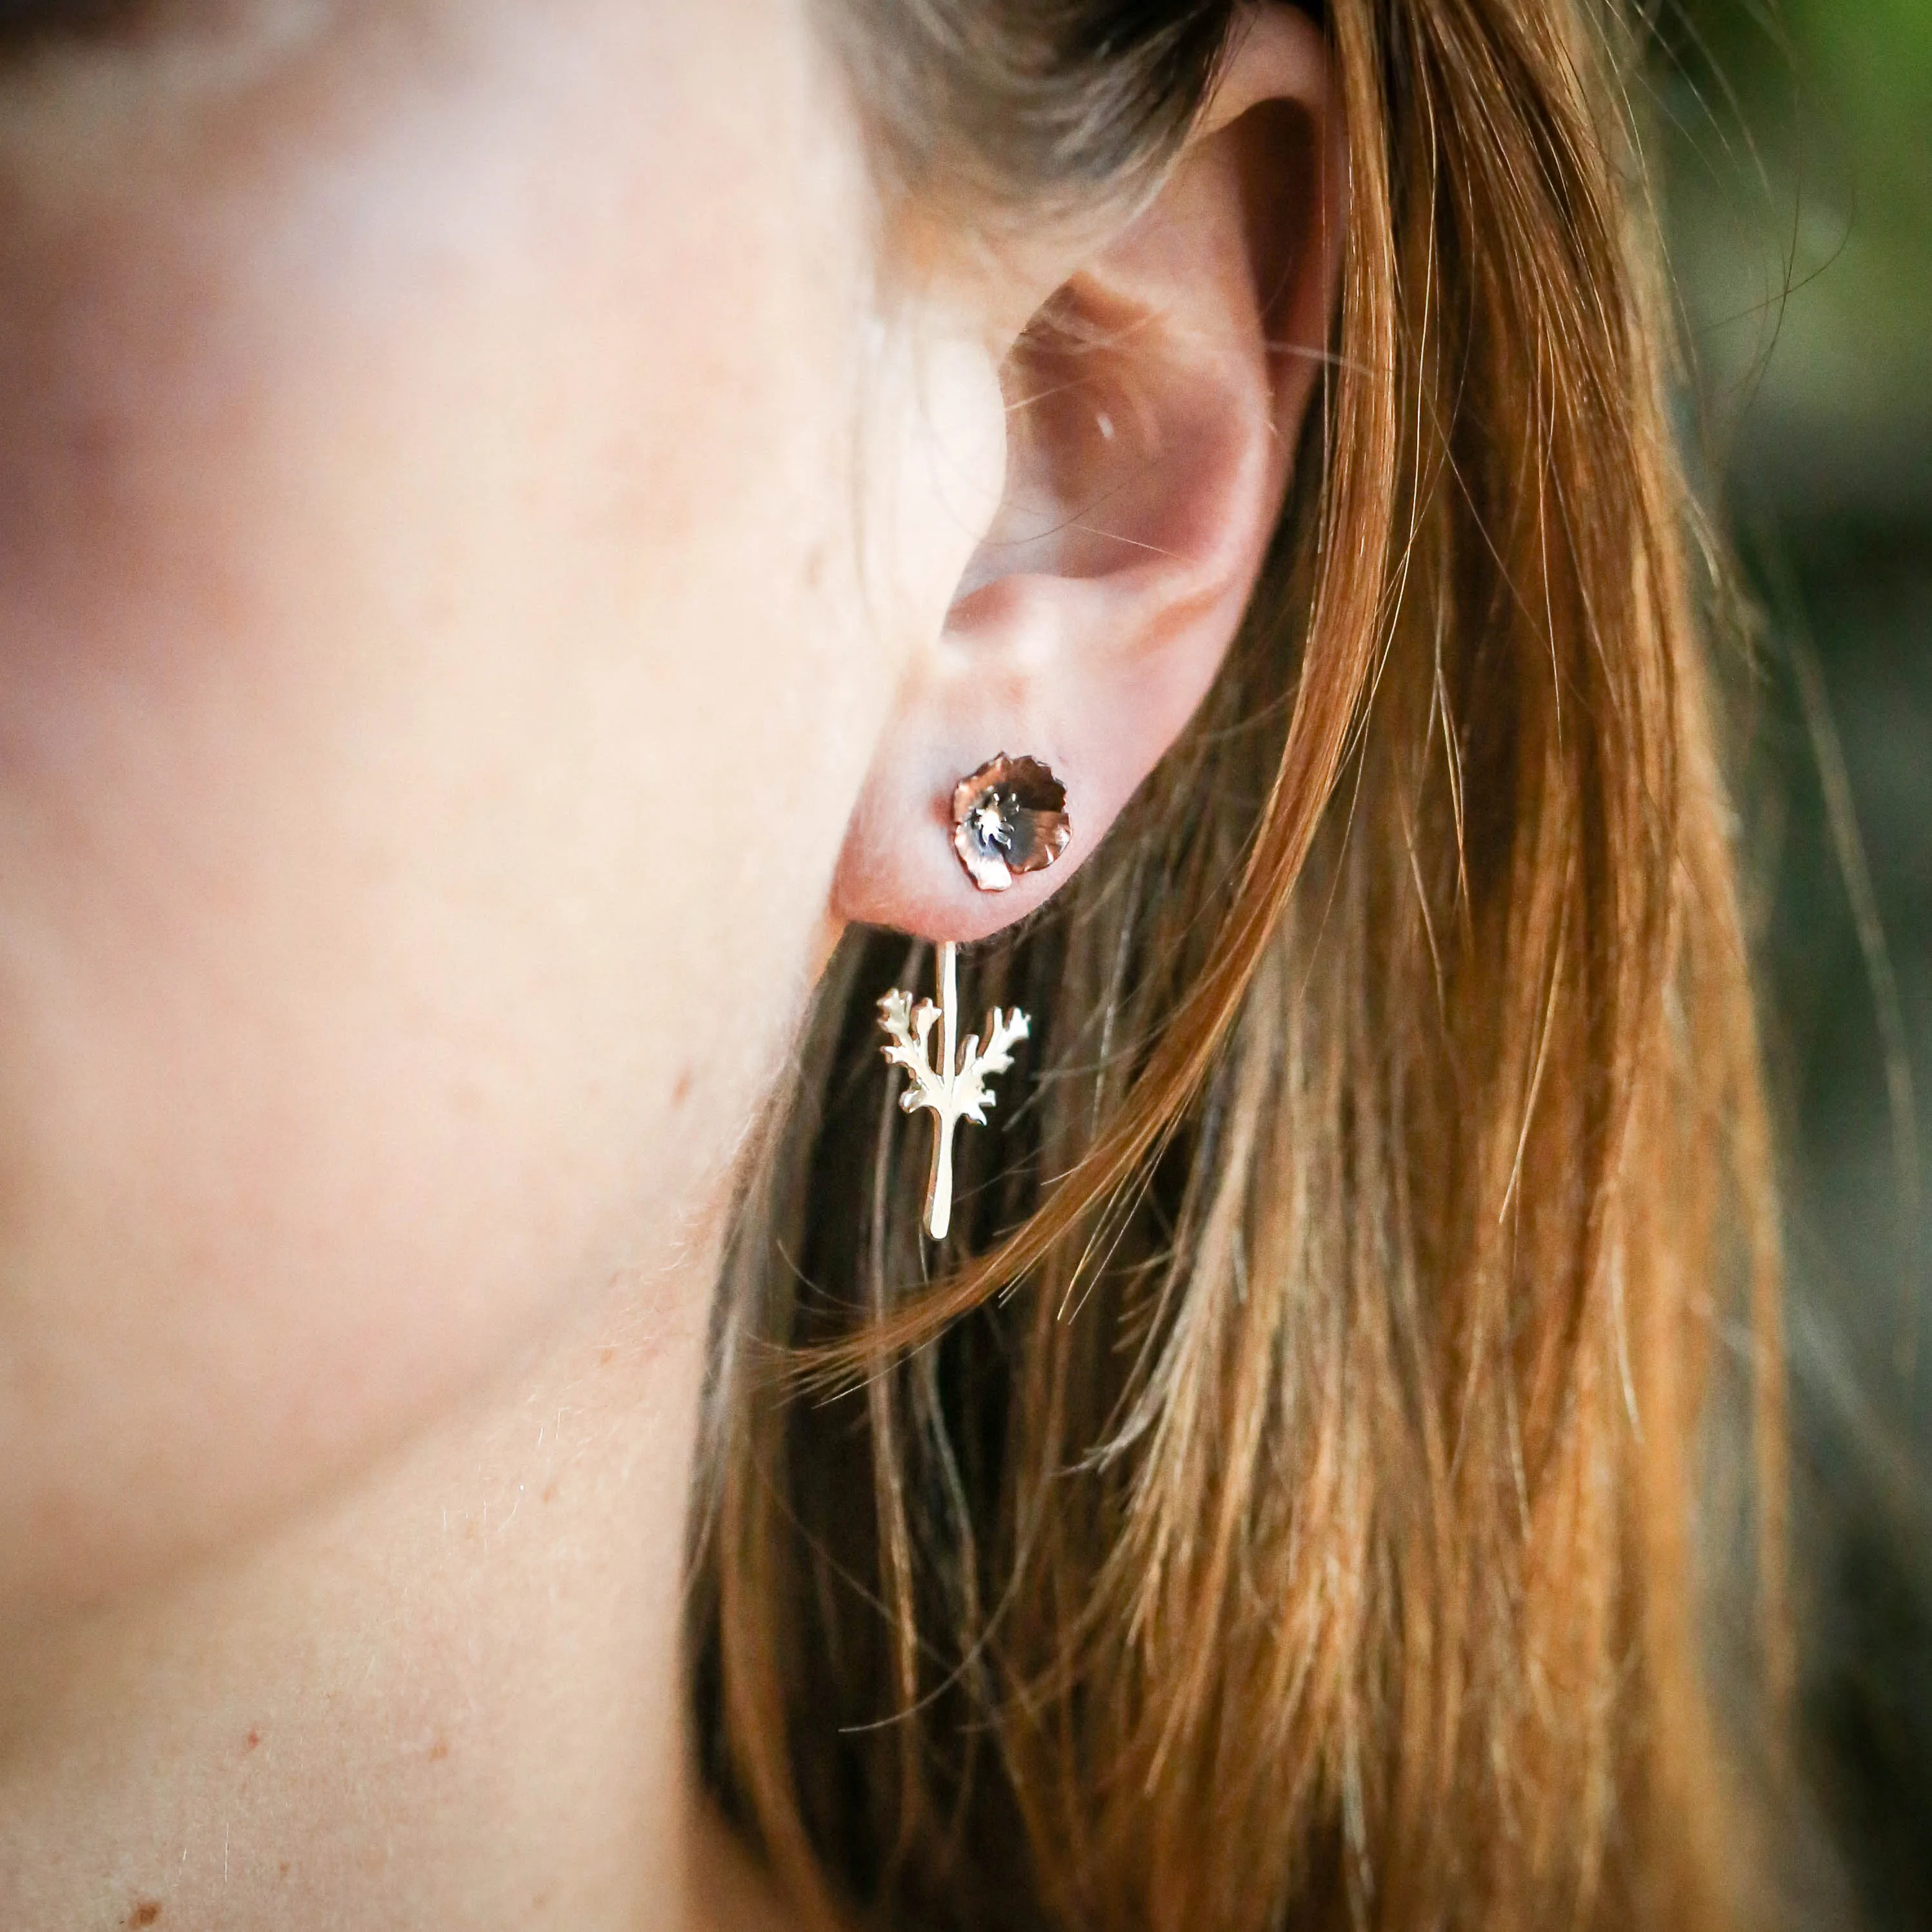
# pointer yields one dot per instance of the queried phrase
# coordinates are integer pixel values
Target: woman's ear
(1153, 405)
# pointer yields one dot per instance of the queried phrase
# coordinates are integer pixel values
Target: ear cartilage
(1009, 818)
(955, 1087)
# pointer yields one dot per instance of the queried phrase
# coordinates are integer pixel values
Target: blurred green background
(1796, 141)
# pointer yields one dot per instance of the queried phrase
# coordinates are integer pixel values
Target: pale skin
(496, 570)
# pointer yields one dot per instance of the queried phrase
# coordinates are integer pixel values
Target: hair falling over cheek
(1279, 1509)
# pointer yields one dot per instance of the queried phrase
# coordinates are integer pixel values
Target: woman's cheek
(431, 689)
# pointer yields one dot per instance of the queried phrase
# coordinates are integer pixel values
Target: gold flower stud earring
(1009, 818)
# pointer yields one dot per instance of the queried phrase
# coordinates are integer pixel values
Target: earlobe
(1153, 405)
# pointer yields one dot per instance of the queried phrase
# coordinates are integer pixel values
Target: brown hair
(1280, 1510)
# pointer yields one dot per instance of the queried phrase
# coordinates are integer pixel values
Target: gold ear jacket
(1009, 818)
(954, 1088)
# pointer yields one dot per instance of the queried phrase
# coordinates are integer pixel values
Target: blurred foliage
(1799, 172)
(1795, 147)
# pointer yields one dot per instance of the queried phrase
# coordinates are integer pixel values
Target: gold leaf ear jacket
(1009, 818)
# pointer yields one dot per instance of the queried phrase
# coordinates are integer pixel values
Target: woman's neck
(454, 1698)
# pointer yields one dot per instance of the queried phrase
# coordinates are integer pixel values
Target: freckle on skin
(606, 1356)
(282, 1869)
(145, 1912)
(680, 1091)
(438, 1751)
(254, 1738)
(550, 1493)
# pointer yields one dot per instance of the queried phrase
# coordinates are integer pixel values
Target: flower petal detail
(1009, 818)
